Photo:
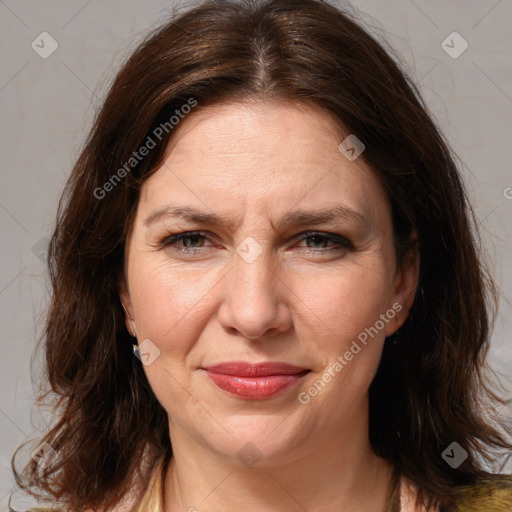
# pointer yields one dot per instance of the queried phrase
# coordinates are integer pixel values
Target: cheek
(343, 311)
(342, 303)
(169, 304)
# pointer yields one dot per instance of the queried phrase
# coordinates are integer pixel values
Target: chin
(261, 440)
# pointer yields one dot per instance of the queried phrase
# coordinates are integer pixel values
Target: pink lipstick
(255, 381)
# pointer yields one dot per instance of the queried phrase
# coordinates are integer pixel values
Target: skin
(299, 301)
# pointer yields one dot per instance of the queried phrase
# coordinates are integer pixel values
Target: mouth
(255, 381)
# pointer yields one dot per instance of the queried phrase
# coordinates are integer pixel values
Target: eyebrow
(297, 217)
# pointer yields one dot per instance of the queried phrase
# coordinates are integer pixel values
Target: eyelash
(342, 242)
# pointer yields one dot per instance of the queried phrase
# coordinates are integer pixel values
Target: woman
(265, 210)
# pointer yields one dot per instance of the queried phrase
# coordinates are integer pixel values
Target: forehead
(272, 132)
(264, 156)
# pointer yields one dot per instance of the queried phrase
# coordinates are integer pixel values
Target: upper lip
(264, 369)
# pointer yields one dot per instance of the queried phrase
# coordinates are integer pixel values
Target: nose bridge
(254, 268)
(252, 304)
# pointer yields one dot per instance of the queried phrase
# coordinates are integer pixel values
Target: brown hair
(431, 385)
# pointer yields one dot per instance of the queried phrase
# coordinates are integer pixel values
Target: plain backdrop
(46, 109)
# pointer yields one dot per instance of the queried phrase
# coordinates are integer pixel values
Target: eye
(194, 242)
(190, 239)
(338, 243)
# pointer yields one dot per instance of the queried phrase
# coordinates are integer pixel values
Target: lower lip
(255, 388)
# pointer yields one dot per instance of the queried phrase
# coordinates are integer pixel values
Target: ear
(405, 284)
(126, 302)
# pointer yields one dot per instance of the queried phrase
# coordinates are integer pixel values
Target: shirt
(490, 494)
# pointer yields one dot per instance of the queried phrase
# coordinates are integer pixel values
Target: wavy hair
(432, 387)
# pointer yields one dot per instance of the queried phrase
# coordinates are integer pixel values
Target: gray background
(46, 108)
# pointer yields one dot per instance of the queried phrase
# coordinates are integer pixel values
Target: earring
(135, 347)
(394, 337)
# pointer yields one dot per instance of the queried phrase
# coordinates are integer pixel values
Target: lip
(256, 381)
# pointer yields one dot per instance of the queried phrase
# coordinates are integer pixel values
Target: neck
(338, 472)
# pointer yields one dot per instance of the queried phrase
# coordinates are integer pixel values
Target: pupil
(317, 238)
(190, 237)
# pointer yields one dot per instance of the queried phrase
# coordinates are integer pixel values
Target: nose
(255, 301)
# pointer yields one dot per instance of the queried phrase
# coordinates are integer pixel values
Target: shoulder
(49, 509)
(152, 494)
(492, 493)
(44, 509)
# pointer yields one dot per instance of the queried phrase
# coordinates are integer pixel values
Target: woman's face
(253, 289)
